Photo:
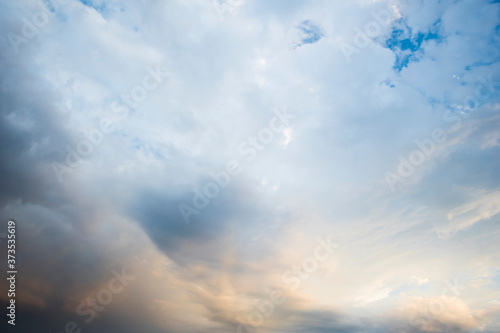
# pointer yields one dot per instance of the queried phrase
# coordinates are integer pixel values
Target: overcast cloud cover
(251, 166)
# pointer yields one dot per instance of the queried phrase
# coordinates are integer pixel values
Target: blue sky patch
(408, 45)
(309, 33)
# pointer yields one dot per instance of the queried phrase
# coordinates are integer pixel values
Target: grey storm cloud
(228, 66)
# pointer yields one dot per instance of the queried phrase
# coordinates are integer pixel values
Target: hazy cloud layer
(214, 151)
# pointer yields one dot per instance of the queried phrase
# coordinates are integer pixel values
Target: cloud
(231, 64)
(483, 208)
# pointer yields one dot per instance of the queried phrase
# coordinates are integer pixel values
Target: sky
(251, 166)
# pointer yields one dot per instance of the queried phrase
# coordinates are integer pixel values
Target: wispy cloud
(268, 126)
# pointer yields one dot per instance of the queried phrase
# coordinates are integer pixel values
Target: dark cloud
(237, 210)
(226, 76)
